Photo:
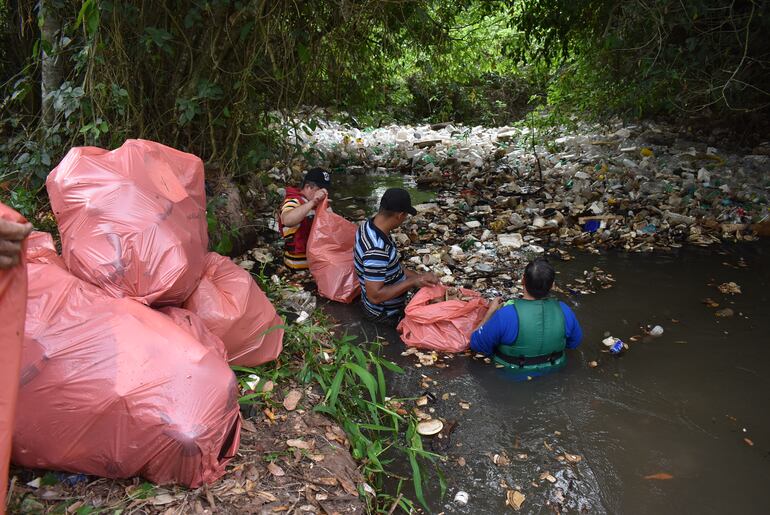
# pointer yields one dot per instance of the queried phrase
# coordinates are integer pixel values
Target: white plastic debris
(656, 331)
(461, 498)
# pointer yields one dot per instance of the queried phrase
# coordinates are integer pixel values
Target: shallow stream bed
(678, 424)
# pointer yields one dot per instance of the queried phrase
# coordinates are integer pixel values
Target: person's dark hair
(306, 182)
(538, 277)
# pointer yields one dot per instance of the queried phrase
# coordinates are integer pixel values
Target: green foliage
(221, 236)
(637, 59)
(353, 381)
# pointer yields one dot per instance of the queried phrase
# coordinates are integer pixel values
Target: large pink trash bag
(234, 308)
(113, 388)
(41, 249)
(443, 326)
(13, 301)
(330, 255)
(193, 324)
(133, 220)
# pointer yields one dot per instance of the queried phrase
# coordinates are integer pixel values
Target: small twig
(10, 491)
(395, 504)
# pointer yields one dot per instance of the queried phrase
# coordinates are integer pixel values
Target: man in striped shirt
(297, 213)
(384, 282)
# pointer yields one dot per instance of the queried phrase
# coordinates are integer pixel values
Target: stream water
(691, 403)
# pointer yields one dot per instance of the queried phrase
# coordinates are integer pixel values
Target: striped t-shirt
(377, 259)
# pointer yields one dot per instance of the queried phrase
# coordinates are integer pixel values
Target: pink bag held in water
(234, 308)
(330, 255)
(13, 301)
(113, 388)
(444, 326)
(133, 220)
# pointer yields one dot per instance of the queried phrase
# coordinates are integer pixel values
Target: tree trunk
(51, 68)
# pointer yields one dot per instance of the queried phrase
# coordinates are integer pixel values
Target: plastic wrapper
(442, 326)
(330, 255)
(133, 220)
(234, 308)
(13, 299)
(113, 388)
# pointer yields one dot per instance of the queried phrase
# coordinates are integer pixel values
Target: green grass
(354, 387)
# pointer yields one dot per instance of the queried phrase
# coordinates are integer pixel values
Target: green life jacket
(540, 343)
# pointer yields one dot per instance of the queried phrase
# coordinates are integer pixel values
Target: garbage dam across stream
(677, 424)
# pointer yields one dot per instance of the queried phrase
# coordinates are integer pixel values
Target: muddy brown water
(692, 404)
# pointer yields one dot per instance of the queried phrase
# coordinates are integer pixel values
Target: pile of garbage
(639, 188)
(128, 334)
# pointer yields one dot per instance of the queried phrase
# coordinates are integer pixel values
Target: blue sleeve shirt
(503, 328)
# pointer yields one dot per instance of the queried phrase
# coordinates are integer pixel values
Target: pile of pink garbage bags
(129, 333)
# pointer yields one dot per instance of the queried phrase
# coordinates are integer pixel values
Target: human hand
(426, 279)
(319, 195)
(495, 303)
(11, 236)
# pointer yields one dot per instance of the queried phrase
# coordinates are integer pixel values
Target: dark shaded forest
(224, 79)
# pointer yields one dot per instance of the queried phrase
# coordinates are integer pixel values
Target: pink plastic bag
(444, 326)
(113, 388)
(233, 307)
(193, 324)
(330, 255)
(41, 249)
(13, 301)
(133, 220)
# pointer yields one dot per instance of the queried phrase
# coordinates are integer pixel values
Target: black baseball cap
(398, 201)
(319, 177)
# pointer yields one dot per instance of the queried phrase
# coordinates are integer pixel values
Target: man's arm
(378, 292)
(493, 306)
(294, 216)
(572, 329)
(489, 335)
(11, 236)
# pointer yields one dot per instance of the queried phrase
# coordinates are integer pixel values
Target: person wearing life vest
(296, 216)
(529, 335)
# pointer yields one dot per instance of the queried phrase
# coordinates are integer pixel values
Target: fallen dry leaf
(291, 400)
(465, 405)
(275, 470)
(572, 458)
(501, 460)
(299, 444)
(749, 442)
(593, 364)
(729, 288)
(724, 312)
(267, 496)
(348, 486)
(514, 499)
(461, 461)
(548, 477)
(445, 397)
(248, 425)
(661, 476)
(327, 481)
